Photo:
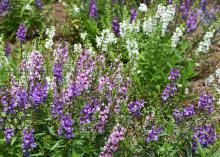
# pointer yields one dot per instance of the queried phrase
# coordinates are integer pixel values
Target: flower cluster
(184, 8)
(8, 132)
(205, 44)
(153, 133)
(149, 25)
(106, 38)
(191, 24)
(132, 47)
(8, 101)
(66, 123)
(38, 3)
(7, 49)
(50, 32)
(38, 87)
(103, 116)
(125, 28)
(87, 112)
(116, 26)
(176, 36)
(143, 7)
(166, 15)
(113, 141)
(171, 88)
(188, 111)
(92, 8)
(135, 107)
(4, 5)
(214, 81)
(133, 15)
(174, 74)
(28, 141)
(206, 102)
(203, 4)
(205, 135)
(21, 33)
(61, 57)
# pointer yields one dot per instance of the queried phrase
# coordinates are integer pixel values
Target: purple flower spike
(153, 134)
(38, 3)
(174, 74)
(113, 141)
(206, 102)
(4, 5)
(135, 107)
(170, 1)
(28, 142)
(192, 22)
(8, 132)
(7, 49)
(177, 115)
(203, 5)
(189, 111)
(169, 91)
(21, 33)
(205, 134)
(133, 15)
(92, 8)
(66, 123)
(116, 26)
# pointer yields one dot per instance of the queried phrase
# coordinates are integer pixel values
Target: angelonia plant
(118, 90)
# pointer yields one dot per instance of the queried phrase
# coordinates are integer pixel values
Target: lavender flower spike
(205, 134)
(153, 134)
(4, 5)
(174, 74)
(21, 33)
(8, 134)
(133, 15)
(116, 26)
(92, 8)
(113, 141)
(7, 49)
(38, 3)
(28, 141)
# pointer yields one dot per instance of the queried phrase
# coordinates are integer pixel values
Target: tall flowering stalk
(206, 103)
(7, 49)
(113, 141)
(4, 5)
(133, 14)
(50, 32)
(188, 111)
(92, 9)
(171, 87)
(116, 26)
(153, 134)
(38, 87)
(66, 125)
(38, 3)
(205, 135)
(9, 133)
(184, 8)
(21, 33)
(135, 107)
(28, 141)
(191, 24)
(206, 43)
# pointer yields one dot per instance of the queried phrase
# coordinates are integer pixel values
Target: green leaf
(56, 145)
(13, 140)
(202, 152)
(38, 154)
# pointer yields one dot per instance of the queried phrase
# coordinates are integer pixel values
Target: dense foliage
(107, 78)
